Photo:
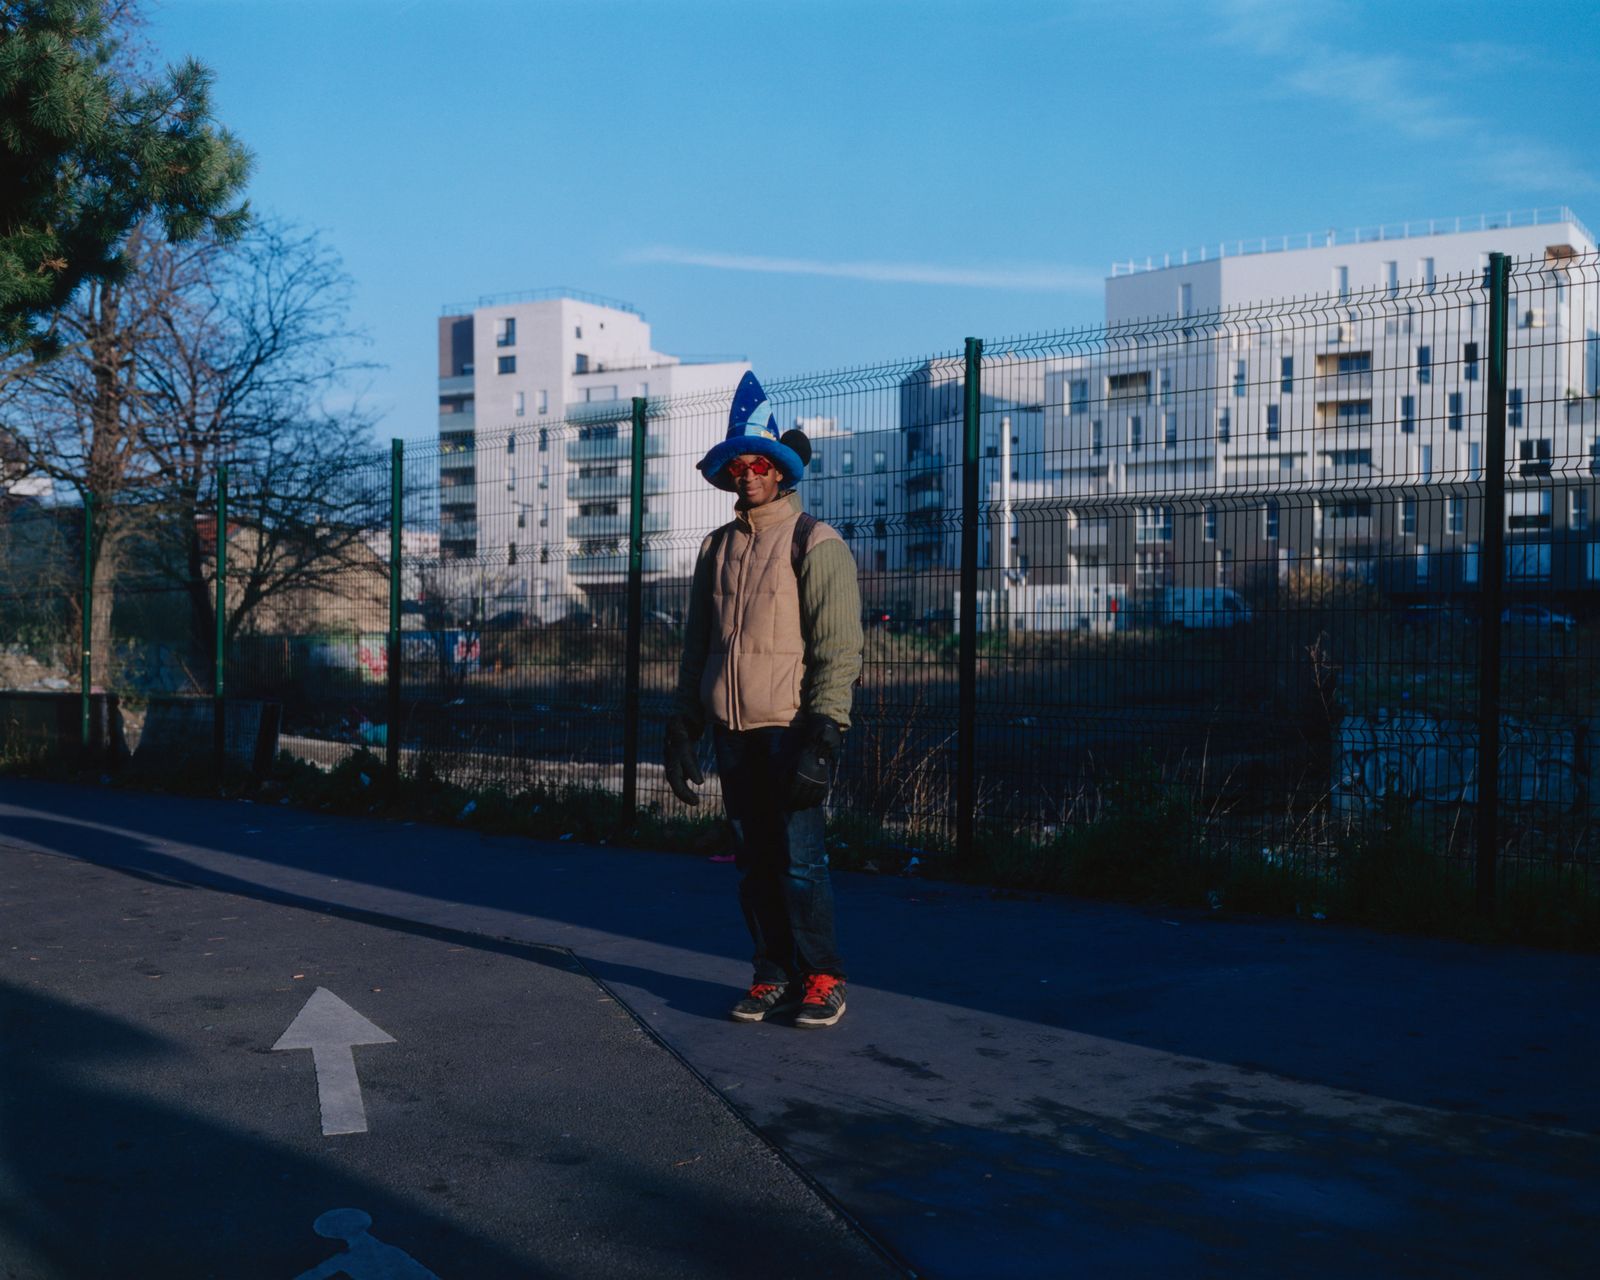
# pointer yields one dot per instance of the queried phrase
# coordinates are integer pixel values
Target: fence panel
(1230, 569)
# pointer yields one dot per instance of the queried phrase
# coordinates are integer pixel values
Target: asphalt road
(1022, 1087)
(493, 1112)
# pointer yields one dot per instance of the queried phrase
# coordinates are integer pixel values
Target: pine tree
(89, 148)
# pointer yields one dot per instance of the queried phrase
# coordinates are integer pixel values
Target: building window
(1272, 422)
(1527, 509)
(1286, 374)
(519, 403)
(1594, 561)
(1269, 520)
(1408, 413)
(544, 439)
(1240, 376)
(522, 516)
(1078, 395)
(511, 444)
(1424, 365)
(1425, 462)
(880, 460)
(1353, 413)
(1469, 362)
(1469, 563)
(880, 500)
(1341, 281)
(1224, 426)
(1474, 462)
(505, 332)
(1153, 524)
(1578, 510)
(1185, 299)
(1425, 273)
(1135, 434)
(1535, 456)
(1423, 566)
(1391, 278)
(1097, 438)
(511, 553)
(1169, 430)
(1151, 570)
(1408, 517)
(577, 332)
(1211, 524)
(506, 364)
(1455, 411)
(1513, 406)
(847, 464)
(544, 402)
(1166, 386)
(1350, 457)
(1455, 519)
(580, 363)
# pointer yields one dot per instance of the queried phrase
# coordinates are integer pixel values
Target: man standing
(772, 650)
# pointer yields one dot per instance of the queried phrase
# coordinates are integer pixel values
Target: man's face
(754, 490)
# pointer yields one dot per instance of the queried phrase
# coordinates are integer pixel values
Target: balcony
(458, 459)
(1088, 533)
(924, 466)
(456, 529)
(1332, 387)
(457, 494)
(619, 447)
(584, 527)
(599, 411)
(604, 488)
(464, 385)
(1346, 529)
(613, 565)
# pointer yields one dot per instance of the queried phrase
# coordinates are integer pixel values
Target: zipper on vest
(733, 635)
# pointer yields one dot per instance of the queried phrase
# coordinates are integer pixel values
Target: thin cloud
(1387, 89)
(1036, 278)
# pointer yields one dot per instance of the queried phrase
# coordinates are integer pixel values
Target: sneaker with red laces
(823, 1004)
(766, 998)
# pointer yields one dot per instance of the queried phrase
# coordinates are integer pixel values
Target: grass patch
(1142, 841)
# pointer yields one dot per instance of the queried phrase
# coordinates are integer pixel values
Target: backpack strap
(804, 523)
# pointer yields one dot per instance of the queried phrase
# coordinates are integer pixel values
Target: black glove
(820, 741)
(682, 759)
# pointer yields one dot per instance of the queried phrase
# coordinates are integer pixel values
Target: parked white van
(1202, 608)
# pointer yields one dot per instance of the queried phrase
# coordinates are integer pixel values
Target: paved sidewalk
(1025, 1087)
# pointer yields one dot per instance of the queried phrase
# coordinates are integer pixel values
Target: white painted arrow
(329, 1028)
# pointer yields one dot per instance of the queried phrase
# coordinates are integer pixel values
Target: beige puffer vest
(756, 657)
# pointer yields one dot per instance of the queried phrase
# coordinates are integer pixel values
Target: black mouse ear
(797, 440)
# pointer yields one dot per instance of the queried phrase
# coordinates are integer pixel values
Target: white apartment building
(1241, 433)
(535, 410)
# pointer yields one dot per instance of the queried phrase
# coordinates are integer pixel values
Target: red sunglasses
(739, 466)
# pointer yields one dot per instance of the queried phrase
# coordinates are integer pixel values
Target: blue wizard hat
(753, 428)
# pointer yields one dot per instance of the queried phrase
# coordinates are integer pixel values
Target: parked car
(1201, 608)
(1538, 616)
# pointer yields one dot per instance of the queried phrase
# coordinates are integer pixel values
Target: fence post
(1493, 569)
(85, 665)
(397, 467)
(967, 663)
(635, 621)
(219, 729)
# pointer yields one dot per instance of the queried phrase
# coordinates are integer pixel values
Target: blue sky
(816, 184)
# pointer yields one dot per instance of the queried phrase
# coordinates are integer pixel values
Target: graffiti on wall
(1423, 760)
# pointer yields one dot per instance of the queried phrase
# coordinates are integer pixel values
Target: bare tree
(205, 353)
(251, 359)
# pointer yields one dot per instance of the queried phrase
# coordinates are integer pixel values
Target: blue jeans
(784, 887)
